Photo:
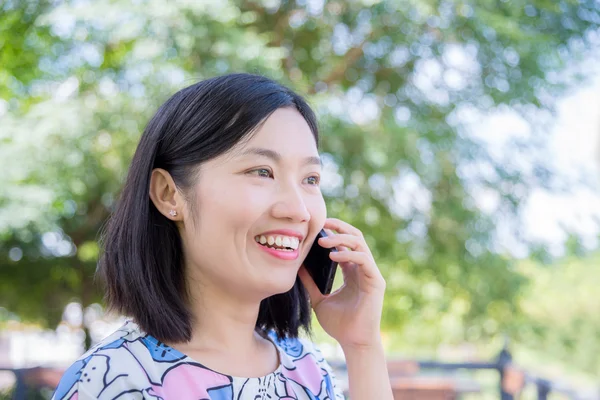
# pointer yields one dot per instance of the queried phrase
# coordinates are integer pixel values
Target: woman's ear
(164, 194)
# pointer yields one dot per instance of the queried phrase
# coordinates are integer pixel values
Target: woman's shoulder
(122, 358)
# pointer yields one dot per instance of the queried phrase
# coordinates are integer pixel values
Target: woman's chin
(279, 286)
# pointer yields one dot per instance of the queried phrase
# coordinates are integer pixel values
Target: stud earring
(172, 213)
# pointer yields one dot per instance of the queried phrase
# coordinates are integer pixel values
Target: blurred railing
(512, 380)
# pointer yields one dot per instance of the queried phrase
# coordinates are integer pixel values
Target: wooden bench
(408, 384)
(424, 388)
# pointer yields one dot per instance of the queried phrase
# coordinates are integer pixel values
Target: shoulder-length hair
(141, 260)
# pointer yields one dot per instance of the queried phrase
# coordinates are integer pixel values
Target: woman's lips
(282, 255)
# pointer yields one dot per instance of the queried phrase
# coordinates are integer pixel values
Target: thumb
(311, 287)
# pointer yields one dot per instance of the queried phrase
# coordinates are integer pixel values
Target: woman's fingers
(331, 233)
(342, 240)
(342, 227)
(364, 261)
(353, 255)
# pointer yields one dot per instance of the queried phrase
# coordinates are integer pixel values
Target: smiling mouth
(278, 242)
(280, 251)
(274, 247)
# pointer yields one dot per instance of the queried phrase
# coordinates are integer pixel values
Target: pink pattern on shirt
(188, 382)
(308, 373)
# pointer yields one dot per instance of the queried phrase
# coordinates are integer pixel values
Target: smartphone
(320, 266)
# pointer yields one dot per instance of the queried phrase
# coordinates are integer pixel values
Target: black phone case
(320, 266)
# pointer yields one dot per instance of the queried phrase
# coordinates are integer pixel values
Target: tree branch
(351, 56)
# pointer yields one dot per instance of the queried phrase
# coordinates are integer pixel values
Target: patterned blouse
(130, 364)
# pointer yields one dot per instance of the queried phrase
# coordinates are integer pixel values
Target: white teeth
(280, 241)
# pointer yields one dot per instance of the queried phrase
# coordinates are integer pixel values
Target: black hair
(141, 260)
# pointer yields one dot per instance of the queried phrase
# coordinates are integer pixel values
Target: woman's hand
(351, 314)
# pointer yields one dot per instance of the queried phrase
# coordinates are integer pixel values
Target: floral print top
(130, 364)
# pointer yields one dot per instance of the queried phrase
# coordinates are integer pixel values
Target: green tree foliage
(560, 311)
(391, 82)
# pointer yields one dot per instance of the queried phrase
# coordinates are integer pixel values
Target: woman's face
(267, 184)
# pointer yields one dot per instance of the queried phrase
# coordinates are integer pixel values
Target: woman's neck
(224, 337)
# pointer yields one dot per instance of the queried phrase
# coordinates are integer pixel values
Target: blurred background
(461, 136)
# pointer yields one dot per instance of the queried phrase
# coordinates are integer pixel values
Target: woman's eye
(266, 173)
(262, 172)
(314, 180)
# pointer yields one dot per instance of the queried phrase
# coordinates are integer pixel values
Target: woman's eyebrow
(275, 156)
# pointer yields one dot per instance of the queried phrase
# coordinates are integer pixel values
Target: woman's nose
(291, 205)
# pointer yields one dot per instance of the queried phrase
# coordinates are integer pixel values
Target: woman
(215, 313)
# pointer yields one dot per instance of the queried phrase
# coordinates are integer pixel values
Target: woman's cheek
(252, 201)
